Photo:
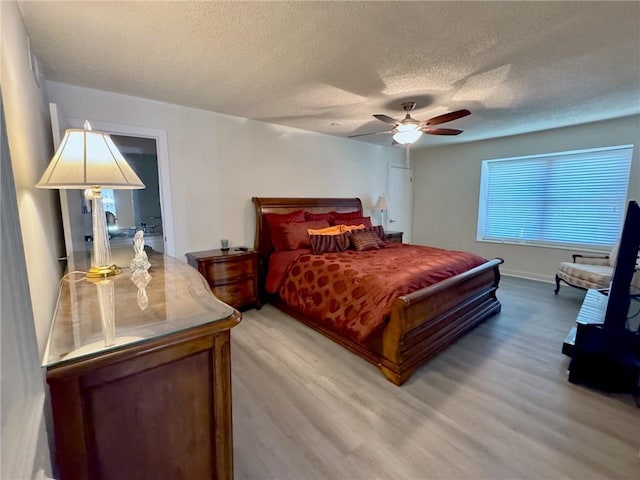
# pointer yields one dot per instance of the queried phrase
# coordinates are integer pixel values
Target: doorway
(133, 210)
(160, 226)
(400, 196)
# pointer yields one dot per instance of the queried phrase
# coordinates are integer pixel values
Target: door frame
(58, 124)
(164, 177)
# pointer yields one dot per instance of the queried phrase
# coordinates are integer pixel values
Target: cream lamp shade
(381, 204)
(90, 159)
(85, 159)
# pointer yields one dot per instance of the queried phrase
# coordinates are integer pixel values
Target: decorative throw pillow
(365, 240)
(343, 216)
(310, 216)
(275, 219)
(325, 231)
(351, 228)
(294, 235)
(329, 243)
(366, 221)
(379, 231)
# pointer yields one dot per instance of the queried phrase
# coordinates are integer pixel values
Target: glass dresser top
(97, 316)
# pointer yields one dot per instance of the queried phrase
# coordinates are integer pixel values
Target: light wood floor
(495, 405)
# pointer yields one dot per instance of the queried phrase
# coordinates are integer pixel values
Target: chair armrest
(591, 259)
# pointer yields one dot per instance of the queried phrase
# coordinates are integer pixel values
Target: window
(108, 200)
(570, 199)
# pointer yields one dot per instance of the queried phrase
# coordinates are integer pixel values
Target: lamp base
(103, 271)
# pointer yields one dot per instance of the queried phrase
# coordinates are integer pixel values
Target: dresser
(142, 392)
(232, 275)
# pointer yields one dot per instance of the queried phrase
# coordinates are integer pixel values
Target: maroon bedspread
(351, 292)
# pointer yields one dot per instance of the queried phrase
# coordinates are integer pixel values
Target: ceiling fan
(408, 130)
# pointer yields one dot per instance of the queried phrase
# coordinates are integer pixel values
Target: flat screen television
(622, 289)
(606, 355)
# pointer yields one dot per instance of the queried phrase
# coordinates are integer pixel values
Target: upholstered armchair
(586, 272)
(593, 272)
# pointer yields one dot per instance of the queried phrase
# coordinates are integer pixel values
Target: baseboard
(528, 275)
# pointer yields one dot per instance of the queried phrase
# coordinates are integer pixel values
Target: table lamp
(87, 159)
(383, 206)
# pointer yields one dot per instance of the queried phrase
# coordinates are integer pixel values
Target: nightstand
(393, 237)
(232, 275)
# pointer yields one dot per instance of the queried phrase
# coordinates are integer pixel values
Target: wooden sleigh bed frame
(420, 325)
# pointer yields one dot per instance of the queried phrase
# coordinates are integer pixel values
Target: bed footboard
(426, 321)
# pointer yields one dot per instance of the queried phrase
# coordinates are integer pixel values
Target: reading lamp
(87, 159)
(383, 206)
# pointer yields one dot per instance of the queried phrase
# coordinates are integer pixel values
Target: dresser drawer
(237, 294)
(224, 272)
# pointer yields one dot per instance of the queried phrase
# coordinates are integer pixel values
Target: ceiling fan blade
(387, 119)
(365, 134)
(447, 117)
(442, 131)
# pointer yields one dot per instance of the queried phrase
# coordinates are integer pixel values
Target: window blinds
(562, 199)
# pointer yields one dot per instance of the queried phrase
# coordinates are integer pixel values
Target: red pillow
(345, 216)
(310, 216)
(275, 219)
(366, 221)
(294, 235)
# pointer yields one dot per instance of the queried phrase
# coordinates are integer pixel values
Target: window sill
(572, 248)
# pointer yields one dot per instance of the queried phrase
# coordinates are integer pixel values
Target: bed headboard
(285, 205)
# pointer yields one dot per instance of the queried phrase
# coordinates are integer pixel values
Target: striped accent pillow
(329, 243)
(377, 229)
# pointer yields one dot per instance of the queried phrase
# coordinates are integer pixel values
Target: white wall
(29, 134)
(31, 244)
(218, 162)
(447, 183)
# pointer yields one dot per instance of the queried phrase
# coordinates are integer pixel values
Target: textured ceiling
(328, 66)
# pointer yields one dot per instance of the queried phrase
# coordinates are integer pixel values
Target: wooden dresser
(232, 275)
(156, 403)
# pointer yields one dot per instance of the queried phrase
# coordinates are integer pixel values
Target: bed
(417, 324)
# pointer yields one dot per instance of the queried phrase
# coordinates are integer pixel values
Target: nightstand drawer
(224, 272)
(237, 294)
(231, 274)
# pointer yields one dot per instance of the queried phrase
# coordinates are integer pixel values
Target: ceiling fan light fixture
(409, 130)
(408, 134)
(409, 122)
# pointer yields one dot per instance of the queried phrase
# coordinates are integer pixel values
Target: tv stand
(591, 312)
(602, 357)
